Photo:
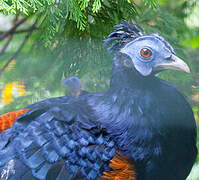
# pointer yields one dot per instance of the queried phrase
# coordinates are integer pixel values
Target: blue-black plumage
(140, 116)
(73, 86)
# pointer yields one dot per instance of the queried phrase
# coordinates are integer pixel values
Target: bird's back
(62, 139)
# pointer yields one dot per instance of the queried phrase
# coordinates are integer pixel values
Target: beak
(174, 63)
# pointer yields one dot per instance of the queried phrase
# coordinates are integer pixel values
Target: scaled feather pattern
(141, 128)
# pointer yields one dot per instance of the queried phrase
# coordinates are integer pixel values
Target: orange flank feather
(6, 120)
(122, 169)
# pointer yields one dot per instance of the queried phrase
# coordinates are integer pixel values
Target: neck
(119, 109)
(122, 77)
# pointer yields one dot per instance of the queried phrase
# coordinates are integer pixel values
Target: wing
(7, 120)
(59, 141)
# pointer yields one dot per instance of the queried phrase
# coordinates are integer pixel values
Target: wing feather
(55, 142)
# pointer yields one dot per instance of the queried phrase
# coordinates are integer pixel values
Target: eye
(146, 53)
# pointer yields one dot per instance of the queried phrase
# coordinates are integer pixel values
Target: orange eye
(146, 53)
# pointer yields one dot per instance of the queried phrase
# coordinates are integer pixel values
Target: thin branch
(19, 49)
(25, 30)
(5, 34)
(10, 36)
(6, 44)
(21, 31)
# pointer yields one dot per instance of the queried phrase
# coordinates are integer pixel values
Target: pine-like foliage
(53, 15)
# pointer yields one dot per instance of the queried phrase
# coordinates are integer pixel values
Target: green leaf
(194, 42)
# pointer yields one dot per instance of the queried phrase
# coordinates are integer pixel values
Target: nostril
(169, 58)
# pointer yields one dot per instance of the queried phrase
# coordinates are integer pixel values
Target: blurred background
(43, 42)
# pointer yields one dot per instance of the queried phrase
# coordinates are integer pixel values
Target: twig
(19, 49)
(22, 31)
(6, 44)
(5, 34)
(25, 30)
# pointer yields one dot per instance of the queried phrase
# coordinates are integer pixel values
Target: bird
(141, 128)
(73, 87)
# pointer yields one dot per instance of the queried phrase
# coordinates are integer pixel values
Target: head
(73, 86)
(147, 53)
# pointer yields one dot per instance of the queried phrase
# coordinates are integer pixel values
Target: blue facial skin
(161, 52)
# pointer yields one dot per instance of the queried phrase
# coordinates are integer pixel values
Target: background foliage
(44, 41)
